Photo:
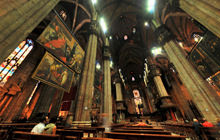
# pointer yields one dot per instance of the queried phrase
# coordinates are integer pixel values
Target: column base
(120, 112)
(120, 105)
(166, 102)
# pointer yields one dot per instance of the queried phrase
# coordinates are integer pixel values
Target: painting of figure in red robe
(57, 39)
(53, 72)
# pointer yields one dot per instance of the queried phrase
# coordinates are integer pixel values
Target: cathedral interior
(111, 62)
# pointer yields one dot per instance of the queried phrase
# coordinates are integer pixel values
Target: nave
(122, 69)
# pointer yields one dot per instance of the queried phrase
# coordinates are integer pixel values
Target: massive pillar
(201, 93)
(18, 18)
(85, 93)
(205, 12)
(203, 96)
(107, 85)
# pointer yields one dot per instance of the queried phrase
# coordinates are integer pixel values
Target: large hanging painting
(54, 73)
(57, 39)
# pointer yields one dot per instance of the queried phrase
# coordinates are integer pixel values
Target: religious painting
(53, 72)
(57, 39)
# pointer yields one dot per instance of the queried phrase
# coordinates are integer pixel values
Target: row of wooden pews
(22, 132)
(142, 132)
(188, 130)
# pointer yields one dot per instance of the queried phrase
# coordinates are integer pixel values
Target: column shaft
(205, 12)
(107, 85)
(107, 92)
(203, 96)
(85, 92)
(18, 18)
(160, 86)
(119, 96)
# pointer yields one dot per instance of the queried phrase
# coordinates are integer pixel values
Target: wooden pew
(211, 132)
(130, 128)
(135, 136)
(23, 129)
(137, 126)
(24, 125)
(70, 138)
(76, 133)
(2, 134)
(83, 138)
(143, 131)
(91, 131)
(31, 136)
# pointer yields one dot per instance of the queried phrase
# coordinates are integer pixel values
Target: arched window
(11, 63)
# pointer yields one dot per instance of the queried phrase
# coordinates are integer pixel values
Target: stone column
(205, 12)
(119, 96)
(17, 19)
(107, 85)
(203, 96)
(119, 100)
(85, 92)
(165, 98)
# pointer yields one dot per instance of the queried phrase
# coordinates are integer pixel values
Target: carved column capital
(154, 71)
(163, 35)
(106, 52)
(93, 27)
(117, 78)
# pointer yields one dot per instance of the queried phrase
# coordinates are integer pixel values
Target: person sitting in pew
(51, 127)
(207, 124)
(218, 122)
(39, 128)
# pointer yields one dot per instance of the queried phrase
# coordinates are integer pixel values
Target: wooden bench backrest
(32, 136)
(130, 128)
(90, 138)
(135, 136)
(77, 133)
(143, 131)
(70, 138)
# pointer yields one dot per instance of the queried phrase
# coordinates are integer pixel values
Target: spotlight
(94, 1)
(156, 50)
(103, 25)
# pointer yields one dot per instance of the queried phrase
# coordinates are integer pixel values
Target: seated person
(39, 128)
(207, 124)
(218, 122)
(51, 127)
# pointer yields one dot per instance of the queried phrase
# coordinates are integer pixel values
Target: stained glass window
(11, 63)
